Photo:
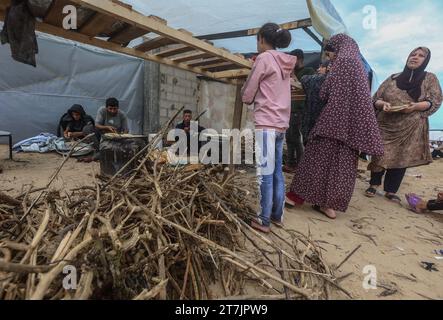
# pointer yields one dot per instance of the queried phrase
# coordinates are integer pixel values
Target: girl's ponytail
(275, 36)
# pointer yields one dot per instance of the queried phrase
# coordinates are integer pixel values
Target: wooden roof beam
(206, 62)
(125, 36)
(174, 51)
(154, 44)
(151, 25)
(193, 57)
(98, 25)
(232, 74)
(76, 36)
(218, 65)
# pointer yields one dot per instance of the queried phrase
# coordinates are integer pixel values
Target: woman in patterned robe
(405, 132)
(347, 126)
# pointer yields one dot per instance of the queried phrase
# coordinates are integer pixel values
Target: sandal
(371, 192)
(318, 209)
(413, 201)
(393, 197)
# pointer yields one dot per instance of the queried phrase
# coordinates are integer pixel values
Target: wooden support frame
(97, 25)
(192, 57)
(174, 51)
(207, 62)
(151, 25)
(236, 120)
(126, 35)
(238, 108)
(232, 74)
(217, 65)
(155, 44)
(76, 36)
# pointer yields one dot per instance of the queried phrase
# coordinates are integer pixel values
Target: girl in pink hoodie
(269, 88)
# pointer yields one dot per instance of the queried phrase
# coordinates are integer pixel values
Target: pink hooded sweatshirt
(269, 88)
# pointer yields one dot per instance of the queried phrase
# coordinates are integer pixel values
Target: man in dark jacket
(294, 139)
(186, 127)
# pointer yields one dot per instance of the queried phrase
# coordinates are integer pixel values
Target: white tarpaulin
(203, 17)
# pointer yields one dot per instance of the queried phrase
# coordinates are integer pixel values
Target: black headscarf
(411, 80)
(77, 108)
(67, 120)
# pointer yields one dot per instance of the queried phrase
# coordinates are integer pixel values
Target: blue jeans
(269, 154)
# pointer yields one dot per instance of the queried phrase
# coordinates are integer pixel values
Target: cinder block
(171, 96)
(163, 120)
(181, 74)
(170, 88)
(163, 112)
(185, 84)
(177, 97)
(179, 90)
(191, 76)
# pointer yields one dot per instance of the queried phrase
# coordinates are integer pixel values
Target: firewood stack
(160, 232)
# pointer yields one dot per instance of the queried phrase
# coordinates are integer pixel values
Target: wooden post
(236, 122)
(238, 108)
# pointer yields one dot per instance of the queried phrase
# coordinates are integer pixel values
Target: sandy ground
(393, 240)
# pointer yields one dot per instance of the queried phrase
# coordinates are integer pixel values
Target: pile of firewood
(159, 232)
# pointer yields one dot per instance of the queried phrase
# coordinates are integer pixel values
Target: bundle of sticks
(160, 232)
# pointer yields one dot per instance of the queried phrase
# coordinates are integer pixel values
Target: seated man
(186, 126)
(76, 124)
(110, 119)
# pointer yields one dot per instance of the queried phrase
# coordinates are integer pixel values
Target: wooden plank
(174, 51)
(149, 24)
(238, 109)
(228, 66)
(250, 32)
(123, 4)
(158, 19)
(55, 14)
(207, 62)
(155, 44)
(76, 36)
(236, 121)
(232, 74)
(192, 57)
(219, 65)
(126, 35)
(99, 25)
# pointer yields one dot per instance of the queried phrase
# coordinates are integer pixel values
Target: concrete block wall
(178, 88)
(168, 89)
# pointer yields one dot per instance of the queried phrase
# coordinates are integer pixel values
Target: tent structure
(116, 26)
(203, 37)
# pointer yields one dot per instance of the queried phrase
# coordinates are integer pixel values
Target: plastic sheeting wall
(32, 100)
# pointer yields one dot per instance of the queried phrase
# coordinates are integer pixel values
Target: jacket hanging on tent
(19, 32)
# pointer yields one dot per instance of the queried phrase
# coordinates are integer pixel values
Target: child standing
(269, 88)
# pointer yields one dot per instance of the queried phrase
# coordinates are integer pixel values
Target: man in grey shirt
(110, 119)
